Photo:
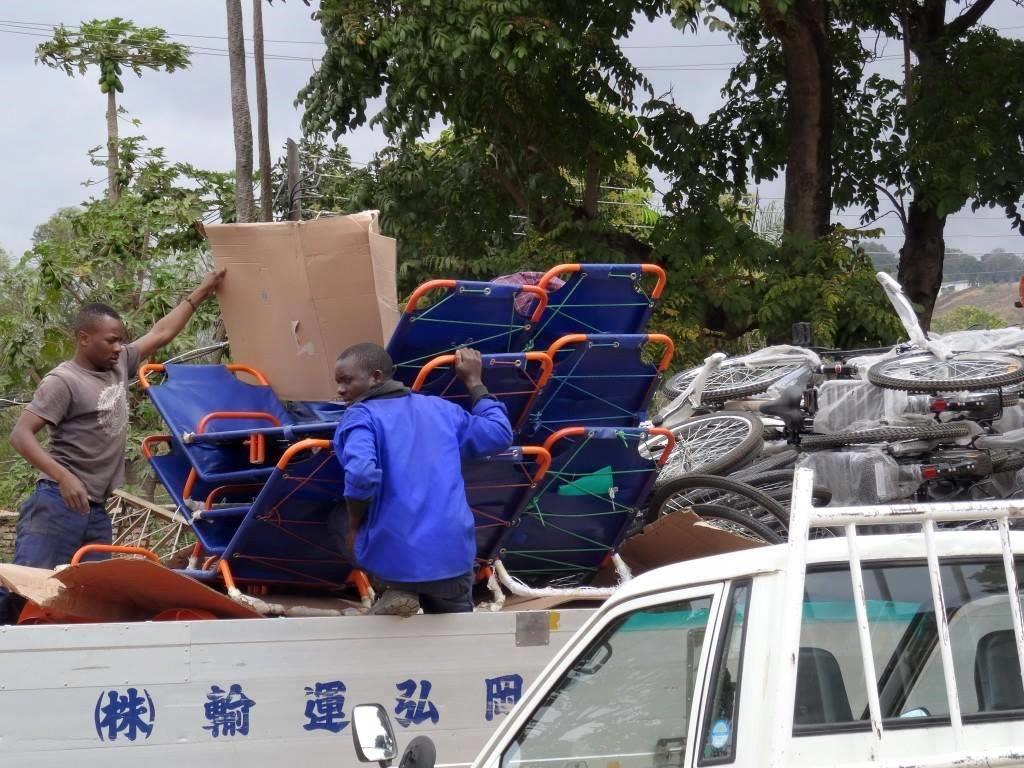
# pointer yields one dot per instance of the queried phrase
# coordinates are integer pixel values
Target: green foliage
(966, 319)
(728, 281)
(112, 45)
(16, 476)
(960, 143)
(536, 92)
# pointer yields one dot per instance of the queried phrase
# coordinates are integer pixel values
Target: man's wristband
(476, 393)
(191, 304)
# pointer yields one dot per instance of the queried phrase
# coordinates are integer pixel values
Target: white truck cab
(885, 649)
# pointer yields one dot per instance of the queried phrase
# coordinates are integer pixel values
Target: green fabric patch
(596, 483)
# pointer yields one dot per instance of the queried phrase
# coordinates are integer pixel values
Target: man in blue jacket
(408, 521)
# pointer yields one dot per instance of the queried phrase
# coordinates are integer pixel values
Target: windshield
(626, 700)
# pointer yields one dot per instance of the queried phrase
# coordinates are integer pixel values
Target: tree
(112, 45)
(957, 141)
(262, 125)
(881, 257)
(240, 118)
(535, 92)
(960, 267)
(59, 226)
(998, 266)
(792, 41)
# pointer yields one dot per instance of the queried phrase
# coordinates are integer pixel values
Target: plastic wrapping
(860, 477)
(998, 340)
(908, 317)
(1012, 418)
(1010, 440)
(770, 354)
(849, 404)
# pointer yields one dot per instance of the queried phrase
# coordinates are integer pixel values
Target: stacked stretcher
(257, 479)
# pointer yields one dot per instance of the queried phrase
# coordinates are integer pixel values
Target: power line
(197, 50)
(35, 25)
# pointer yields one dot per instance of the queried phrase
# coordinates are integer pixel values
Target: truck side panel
(262, 693)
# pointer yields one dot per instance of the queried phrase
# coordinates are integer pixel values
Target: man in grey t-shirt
(84, 402)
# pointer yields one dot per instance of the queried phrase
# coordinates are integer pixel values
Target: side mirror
(372, 735)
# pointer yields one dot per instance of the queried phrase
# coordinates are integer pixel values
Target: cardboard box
(297, 293)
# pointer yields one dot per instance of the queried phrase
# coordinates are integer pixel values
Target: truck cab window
(626, 699)
(904, 638)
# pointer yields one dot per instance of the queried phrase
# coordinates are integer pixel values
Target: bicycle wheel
(885, 435)
(685, 491)
(709, 444)
(735, 378)
(735, 522)
(965, 371)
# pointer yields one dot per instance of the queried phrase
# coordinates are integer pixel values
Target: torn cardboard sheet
(672, 539)
(297, 293)
(122, 589)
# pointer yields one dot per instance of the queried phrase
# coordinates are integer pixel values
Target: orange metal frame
(649, 269)
(577, 431)
(546, 366)
(113, 549)
(652, 338)
(543, 459)
(257, 443)
(151, 440)
(433, 285)
(149, 368)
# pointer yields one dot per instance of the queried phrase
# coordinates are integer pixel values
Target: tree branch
(968, 18)
(900, 210)
(510, 188)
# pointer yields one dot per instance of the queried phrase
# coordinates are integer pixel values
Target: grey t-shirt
(88, 416)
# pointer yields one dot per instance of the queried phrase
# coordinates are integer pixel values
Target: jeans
(49, 533)
(453, 595)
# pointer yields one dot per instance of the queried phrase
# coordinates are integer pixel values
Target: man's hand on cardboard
(469, 367)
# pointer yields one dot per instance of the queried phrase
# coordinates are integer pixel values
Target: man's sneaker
(396, 602)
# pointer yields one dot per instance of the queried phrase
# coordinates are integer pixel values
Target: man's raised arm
(171, 324)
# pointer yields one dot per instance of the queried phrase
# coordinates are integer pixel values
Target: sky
(53, 120)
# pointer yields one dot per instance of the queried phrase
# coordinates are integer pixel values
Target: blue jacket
(405, 453)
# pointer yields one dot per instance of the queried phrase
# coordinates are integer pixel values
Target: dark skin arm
(469, 369)
(170, 325)
(23, 440)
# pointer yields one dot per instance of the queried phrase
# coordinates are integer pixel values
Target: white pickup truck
(900, 649)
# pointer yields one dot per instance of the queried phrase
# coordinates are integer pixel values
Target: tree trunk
(807, 51)
(113, 165)
(920, 271)
(244, 205)
(262, 127)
